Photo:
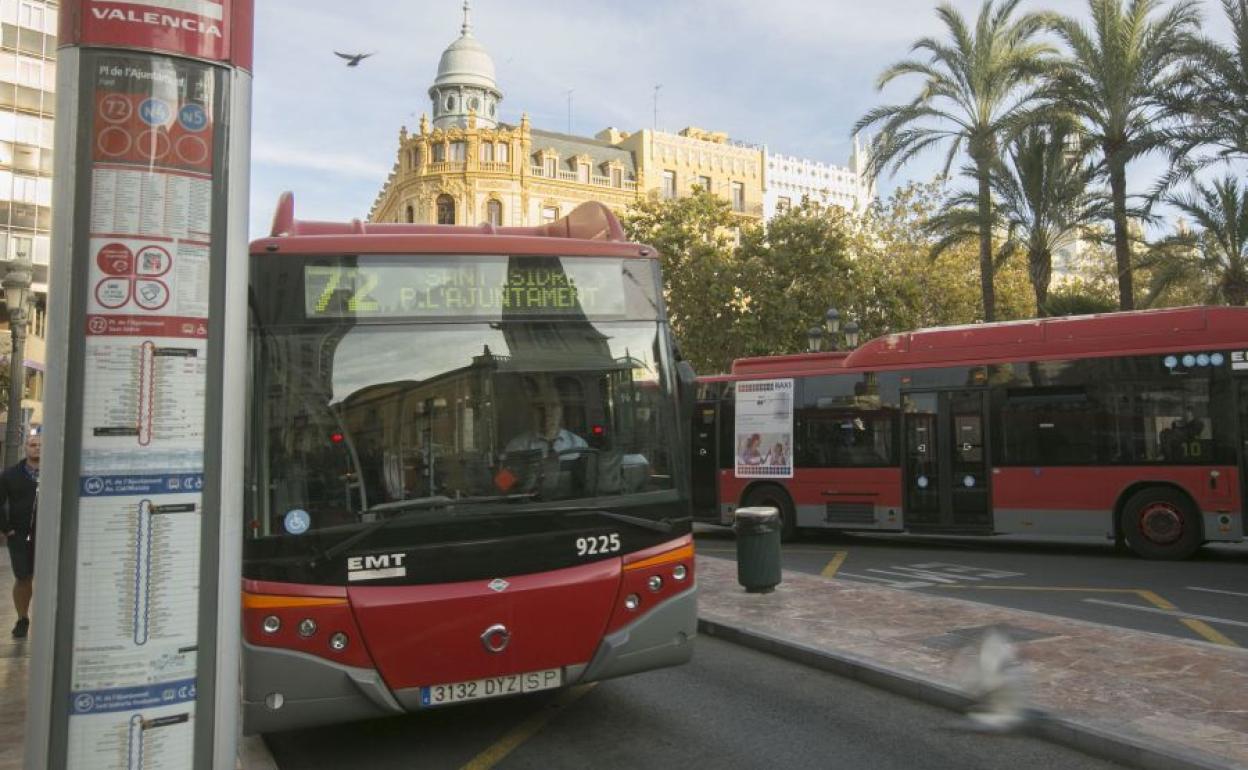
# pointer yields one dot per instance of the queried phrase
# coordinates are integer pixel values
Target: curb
(1127, 749)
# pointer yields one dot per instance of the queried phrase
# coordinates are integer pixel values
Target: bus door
(705, 464)
(946, 462)
(1242, 400)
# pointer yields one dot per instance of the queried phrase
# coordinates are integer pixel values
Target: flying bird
(353, 59)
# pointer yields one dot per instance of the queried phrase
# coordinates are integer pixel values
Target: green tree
(977, 91)
(1216, 253)
(1116, 78)
(1043, 202)
(900, 281)
(701, 272)
(1209, 103)
(793, 268)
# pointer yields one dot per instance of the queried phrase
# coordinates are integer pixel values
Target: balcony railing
(447, 166)
(595, 180)
(494, 165)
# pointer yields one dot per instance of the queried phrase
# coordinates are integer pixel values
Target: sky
(793, 74)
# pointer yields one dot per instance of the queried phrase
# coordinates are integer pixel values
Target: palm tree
(1043, 203)
(1218, 249)
(1210, 102)
(1115, 80)
(977, 91)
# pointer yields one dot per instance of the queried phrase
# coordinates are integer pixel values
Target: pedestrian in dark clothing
(19, 494)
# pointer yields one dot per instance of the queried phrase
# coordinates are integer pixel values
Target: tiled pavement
(14, 660)
(1165, 702)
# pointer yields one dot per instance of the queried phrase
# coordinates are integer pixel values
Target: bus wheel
(1159, 523)
(775, 497)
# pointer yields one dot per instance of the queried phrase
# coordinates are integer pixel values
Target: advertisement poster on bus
(764, 429)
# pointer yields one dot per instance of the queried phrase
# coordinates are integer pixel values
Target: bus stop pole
(136, 618)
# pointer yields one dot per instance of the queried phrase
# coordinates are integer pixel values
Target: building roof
(569, 146)
(466, 62)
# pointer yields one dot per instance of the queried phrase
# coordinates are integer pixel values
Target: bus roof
(588, 230)
(1130, 333)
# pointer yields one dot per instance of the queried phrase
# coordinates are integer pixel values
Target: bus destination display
(490, 288)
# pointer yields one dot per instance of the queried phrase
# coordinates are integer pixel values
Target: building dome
(465, 83)
(466, 63)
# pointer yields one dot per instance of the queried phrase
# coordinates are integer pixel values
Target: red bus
(467, 474)
(1127, 426)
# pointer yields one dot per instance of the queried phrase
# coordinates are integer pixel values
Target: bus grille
(850, 513)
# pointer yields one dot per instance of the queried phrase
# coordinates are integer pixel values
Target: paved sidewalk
(14, 660)
(1144, 699)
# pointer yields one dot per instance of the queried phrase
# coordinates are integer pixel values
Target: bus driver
(547, 435)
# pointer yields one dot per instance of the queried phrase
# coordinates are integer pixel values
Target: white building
(787, 180)
(27, 105)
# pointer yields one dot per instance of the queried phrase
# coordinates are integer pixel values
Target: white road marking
(915, 574)
(962, 569)
(1170, 613)
(1217, 591)
(887, 581)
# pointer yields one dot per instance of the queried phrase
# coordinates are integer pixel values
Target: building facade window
(549, 214)
(494, 213)
(459, 151)
(502, 154)
(738, 196)
(783, 204)
(617, 177)
(669, 184)
(705, 183)
(439, 153)
(486, 152)
(446, 210)
(411, 214)
(582, 173)
(552, 167)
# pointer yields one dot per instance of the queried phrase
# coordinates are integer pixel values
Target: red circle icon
(115, 259)
(151, 295)
(153, 260)
(116, 108)
(192, 150)
(154, 143)
(112, 293)
(113, 142)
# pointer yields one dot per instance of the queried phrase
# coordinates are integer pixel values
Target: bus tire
(772, 496)
(1161, 523)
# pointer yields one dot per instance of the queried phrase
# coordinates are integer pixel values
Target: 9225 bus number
(598, 544)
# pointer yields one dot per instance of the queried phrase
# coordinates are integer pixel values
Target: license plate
(492, 687)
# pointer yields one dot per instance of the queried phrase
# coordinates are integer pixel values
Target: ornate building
(467, 167)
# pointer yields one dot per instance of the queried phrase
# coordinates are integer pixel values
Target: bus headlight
(680, 573)
(338, 642)
(654, 583)
(307, 627)
(271, 624)
(632, 602)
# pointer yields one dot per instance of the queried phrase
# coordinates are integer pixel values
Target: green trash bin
(758, 548)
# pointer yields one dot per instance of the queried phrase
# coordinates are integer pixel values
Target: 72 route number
(598, 544)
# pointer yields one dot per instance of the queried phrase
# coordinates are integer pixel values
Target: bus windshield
(354, 419)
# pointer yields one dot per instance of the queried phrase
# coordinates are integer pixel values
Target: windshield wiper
(657, 525)
(405, 509)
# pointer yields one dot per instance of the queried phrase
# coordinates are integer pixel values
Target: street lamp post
(16, 292)
(832, 322)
